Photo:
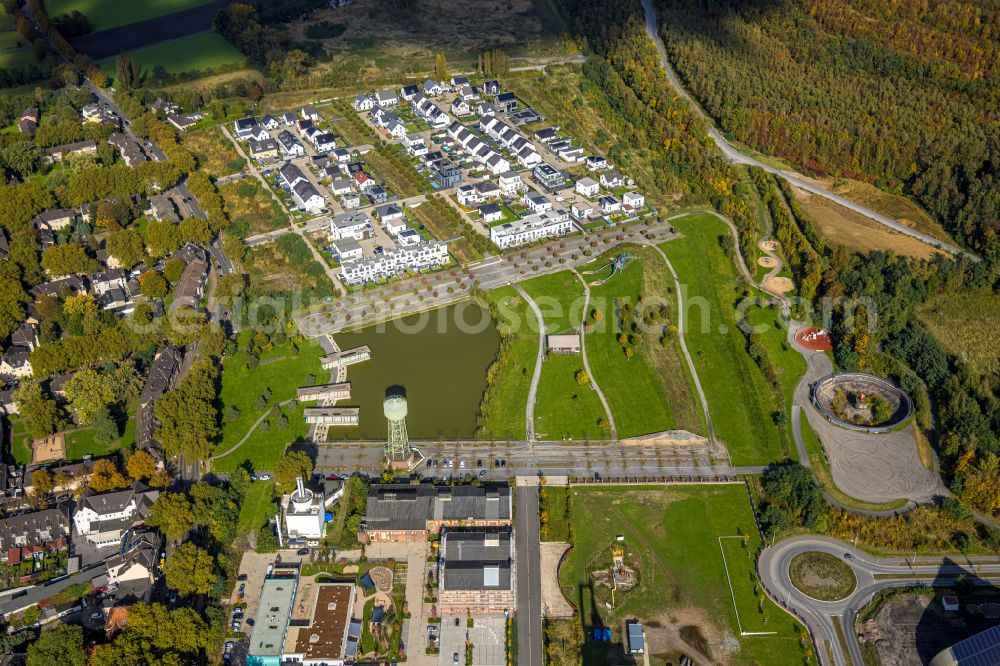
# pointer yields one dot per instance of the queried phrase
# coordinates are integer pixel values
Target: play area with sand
(48, 448)
(779, 284)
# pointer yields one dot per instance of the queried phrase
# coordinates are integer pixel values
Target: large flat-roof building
(476, 571)
(410, 512)
(323, 641)
(271, 624)
(531, 228)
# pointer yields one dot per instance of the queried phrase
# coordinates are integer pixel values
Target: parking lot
(487, 635)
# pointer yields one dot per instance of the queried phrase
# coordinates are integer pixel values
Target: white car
(462, 464)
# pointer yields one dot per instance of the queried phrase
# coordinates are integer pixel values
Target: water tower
(397, 447)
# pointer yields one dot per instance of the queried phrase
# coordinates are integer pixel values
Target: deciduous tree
(190, 570)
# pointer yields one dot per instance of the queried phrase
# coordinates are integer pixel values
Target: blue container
(328, 516)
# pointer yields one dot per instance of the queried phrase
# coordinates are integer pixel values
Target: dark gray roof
(32, 529)
(115, 502)
(476, 560)
(409, 507)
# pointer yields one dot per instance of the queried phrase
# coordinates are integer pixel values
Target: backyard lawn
(105, 14)
(281, 371)
(206, 50)
(739, 398)
(509, 378)
(681, 540)
(257, 507)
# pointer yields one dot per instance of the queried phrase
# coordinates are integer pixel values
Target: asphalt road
(821, 616)
(529, 585)
(734, 155)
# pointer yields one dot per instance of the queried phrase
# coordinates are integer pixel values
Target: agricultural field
(216, 155)
(194, 53)
(279, 373)
(964, 323)
(250, 208)
(106, 14)
(565, 408)
(739, 398)
(501, 413)
(692, 548)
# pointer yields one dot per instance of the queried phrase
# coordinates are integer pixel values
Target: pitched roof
(409, 507)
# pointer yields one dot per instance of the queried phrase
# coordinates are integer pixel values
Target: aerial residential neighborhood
(541, 333)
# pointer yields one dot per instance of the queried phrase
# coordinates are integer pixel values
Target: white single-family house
(588, 187)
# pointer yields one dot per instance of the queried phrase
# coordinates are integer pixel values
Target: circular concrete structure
(856, 390)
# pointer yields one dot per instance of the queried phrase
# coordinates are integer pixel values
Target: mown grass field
(16, 57)
(502, 411)
(80, 442)
(105, 14)
(194, 53)
(258, 506)
(965, 324)
(564, 408)
(739, 398)
(672, 536)
(282, 371)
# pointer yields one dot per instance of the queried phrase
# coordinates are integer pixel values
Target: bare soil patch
(49, 448)
(767, 262)
(779, 284)
(855, 231)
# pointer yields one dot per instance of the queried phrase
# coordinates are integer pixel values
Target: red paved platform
(816, 339)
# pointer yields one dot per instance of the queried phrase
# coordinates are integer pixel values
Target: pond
(439, 358)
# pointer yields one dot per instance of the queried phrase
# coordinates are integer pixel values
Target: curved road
(586, 363)
(736, 156)
(822, 616)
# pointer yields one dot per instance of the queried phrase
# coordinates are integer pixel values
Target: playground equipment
(617, 265)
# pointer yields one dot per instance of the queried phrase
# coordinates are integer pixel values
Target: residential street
(529, 586)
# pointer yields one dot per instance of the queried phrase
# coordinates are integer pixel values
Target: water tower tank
(394, 408)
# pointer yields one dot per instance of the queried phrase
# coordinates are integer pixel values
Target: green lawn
(553, 505)
(9, 39)
(203, 51)
(672, 536)
(564, 408)
(105, 14)
(282, 370)
(502, 409)
(257, 507)
(16, 57)
(739, 398)
(79, 442)
(635, 392)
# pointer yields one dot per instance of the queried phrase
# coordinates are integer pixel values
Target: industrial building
(410, 512)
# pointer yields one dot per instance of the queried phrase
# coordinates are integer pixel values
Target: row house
(425, 254)
(531, 228)
(103, 518)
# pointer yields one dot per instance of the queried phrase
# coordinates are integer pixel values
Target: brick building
(410, 512)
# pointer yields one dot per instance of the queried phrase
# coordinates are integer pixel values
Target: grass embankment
(501, 413)
(194, 53)
(739, 398)
(822, 576)
(672, 537)
(106, 14)
(565, 408)
(258, 506)
(649, 390)
(281, 371)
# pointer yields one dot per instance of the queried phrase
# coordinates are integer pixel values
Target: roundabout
(831, 623)
(822, 576)
(861, 402)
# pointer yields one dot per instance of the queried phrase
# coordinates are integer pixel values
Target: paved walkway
(529, 407)
(586, 364)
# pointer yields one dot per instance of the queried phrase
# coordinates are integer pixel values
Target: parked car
(302, 551)
(264, 477)
(454, 659)
(241, 577)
